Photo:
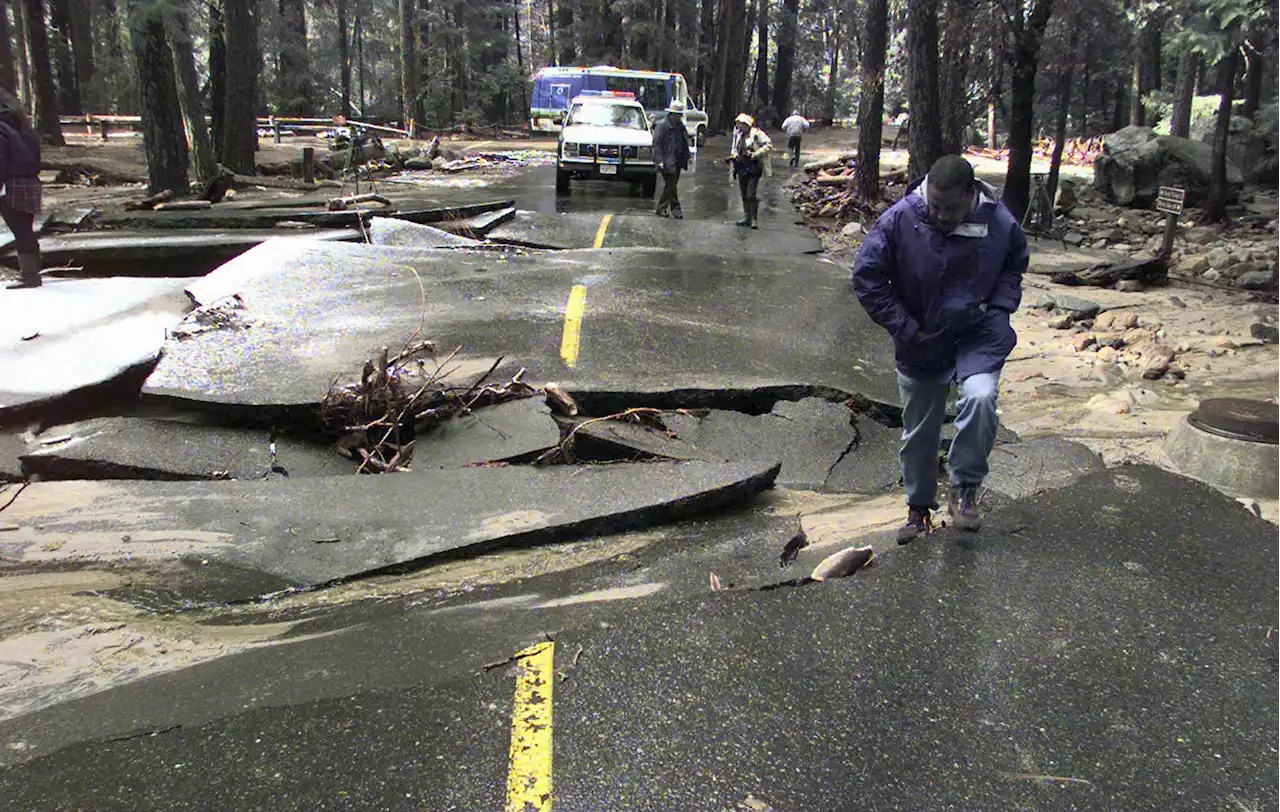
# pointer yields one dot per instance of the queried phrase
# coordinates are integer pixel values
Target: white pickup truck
(606, 136)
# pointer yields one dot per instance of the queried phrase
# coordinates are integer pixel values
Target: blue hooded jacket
(944, 298)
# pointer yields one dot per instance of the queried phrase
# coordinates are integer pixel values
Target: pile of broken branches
(827, 191)
(376, 420)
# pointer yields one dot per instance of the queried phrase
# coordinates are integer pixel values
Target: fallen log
(830, 163)
(149, 202)
(184, 205)
(99, 171)
(1147, 270)
(247, 182)
(344, 203)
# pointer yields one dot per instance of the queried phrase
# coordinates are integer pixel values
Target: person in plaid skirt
(20, 195)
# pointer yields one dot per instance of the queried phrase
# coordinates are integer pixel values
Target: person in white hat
(670, 156)
(748, 158)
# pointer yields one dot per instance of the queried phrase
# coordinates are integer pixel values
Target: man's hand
(662, 167)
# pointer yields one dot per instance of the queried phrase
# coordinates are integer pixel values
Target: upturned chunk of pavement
(822, 445)
(390, 231)
(141, 448)
(699, 321)
(322, 530)
(1028, 467)
(844, 563)
(69, 335)
(567, 231)
(516, 430)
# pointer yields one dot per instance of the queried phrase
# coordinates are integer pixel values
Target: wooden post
(308, 164)
(104, 127)
(275, 128)
(1170, 200)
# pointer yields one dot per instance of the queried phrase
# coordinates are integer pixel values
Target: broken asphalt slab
(142, 448)
(516, 430)
(312, 532)
(390, 231)
(1063, 662)
(1028, 467)
(654, 321)
(581, 230)
(189, 253)
(823, 446)
(72, 334)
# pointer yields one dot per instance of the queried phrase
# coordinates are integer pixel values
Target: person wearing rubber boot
(670, 157)
(942, 273)
(749, 158)
(20, 199)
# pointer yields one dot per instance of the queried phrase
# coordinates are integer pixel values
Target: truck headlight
(628, 152)
(644, 154)
(587, 149)
(570, 149)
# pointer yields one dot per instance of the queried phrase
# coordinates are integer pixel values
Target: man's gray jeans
(924, 405)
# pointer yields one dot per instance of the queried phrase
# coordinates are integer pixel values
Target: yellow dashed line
(569, 342)
(600, 232)
(529, 777)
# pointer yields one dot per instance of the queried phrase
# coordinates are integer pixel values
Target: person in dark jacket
(942, 273)
(670, 157)
(20, 198)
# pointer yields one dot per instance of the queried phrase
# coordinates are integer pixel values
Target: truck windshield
(609, 115)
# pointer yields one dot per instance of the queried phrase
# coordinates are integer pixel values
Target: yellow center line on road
(570, 341)
(600, 232)
(529, 776)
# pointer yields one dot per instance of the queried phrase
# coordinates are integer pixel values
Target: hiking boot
(677, 214)
(755, 213)
(919, 523)
(30, 269)
(744, 222)
(963, 505)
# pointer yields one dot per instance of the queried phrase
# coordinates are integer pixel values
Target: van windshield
(609, 115)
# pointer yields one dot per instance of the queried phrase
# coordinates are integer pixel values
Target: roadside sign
(1170, 199)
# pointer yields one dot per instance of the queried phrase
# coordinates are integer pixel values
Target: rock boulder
(1135, 163)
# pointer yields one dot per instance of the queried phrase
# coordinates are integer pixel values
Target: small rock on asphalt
(1084, 341)
(1219, 258)
(1062, 322)
(1074, 238)
(1212, 275)
(851, 231)
(1107, 355)
(1129, 286)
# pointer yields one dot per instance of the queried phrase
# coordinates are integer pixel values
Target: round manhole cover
(1254, 421)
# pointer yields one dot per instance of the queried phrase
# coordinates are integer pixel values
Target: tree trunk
(1026, 57)
(60, 32)
(833, 73)
(924, 134)
(524, 89)
(240, 136)
(184, 64)
(1064, 105)
(46, 96)
(294, 80)
(764, 98)
(1215, 206)
(161, 113)
(1184, 92)
(564, 21)
(1146, 71)
(408, 61)
(217, 79)
(1136, 113)
(23, 59)
(686, 46)
(871, 104)
(748, 102)
(1082, 121)
(1119, 111)
(726, 83)
(551, 32)
(1253, 81)
(786, 59)
(954, 79)
(8, 72)
(82, 46)
(117, 74)
(344, 60)
(706, 50)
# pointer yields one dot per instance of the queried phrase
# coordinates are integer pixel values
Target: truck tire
(562, 182)
(701, 138)
(650, 186)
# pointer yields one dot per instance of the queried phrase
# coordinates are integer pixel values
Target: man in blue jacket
(942, 272)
